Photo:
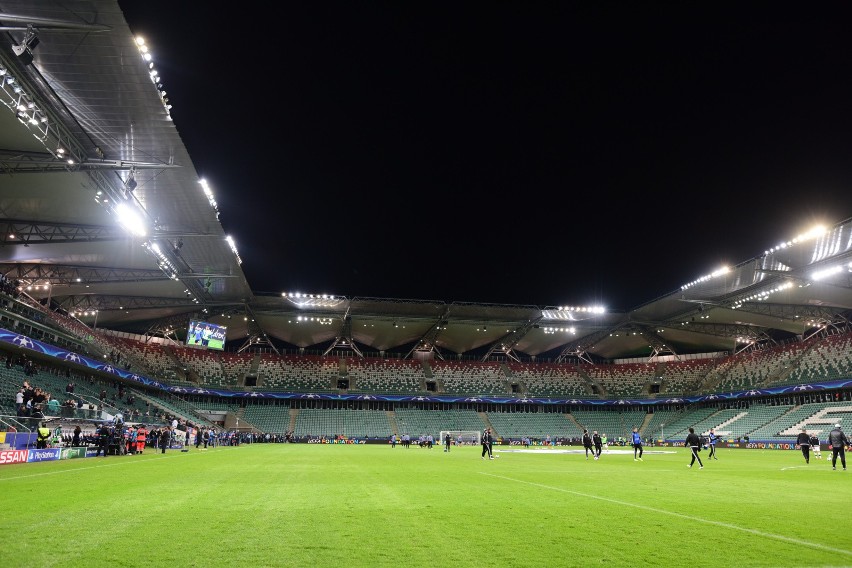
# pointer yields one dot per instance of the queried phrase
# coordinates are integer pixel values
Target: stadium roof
(85, 132)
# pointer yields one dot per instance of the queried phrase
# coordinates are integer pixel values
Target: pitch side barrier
(24, 342)
(750, 445)
(49, 454)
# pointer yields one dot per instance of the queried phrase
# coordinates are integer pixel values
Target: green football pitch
(371, 505)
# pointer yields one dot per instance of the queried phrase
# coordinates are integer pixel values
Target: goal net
(462, 437)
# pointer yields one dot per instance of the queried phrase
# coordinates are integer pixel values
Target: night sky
(515, 153)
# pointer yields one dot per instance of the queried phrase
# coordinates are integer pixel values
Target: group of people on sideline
(837, 443)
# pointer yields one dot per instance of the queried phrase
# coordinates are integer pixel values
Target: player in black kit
(587, 444)
(803, 440)
(596, 440)
(693, 442)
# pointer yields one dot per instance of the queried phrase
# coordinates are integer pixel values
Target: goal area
(462, 437)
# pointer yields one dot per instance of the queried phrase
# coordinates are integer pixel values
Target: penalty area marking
(782, 538)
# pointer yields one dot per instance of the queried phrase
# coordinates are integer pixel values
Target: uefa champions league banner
(65, 355)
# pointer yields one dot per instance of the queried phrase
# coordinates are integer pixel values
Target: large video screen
(206, 334)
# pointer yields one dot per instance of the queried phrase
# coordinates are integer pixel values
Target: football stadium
(155, 410)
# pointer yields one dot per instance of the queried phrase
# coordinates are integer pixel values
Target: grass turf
(338, 505)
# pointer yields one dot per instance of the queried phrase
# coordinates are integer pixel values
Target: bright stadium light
(820, 274)
(130, 220)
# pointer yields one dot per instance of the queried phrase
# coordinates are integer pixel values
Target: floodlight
(131, 184)
(24, 51)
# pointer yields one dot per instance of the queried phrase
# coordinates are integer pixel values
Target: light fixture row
(154, 74)
(30, 114)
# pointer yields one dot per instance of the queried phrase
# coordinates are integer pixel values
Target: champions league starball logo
(713, 397)
(72, 357)
(23, 341)
(803, 388)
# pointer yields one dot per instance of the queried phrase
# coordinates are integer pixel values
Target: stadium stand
(548, 380)
(385, 375)
(820, 358)
(471, 378)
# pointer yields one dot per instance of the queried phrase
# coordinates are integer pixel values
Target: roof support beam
(256, 335)
(801, 312)
(659, 346)
(102, 302)
(427, 342)
(507, 343)
(50, 23)
(29, 162)
(344, 339)
(579, 347)
(27, 232)
(61, 274)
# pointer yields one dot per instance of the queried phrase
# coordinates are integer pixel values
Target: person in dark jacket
(103, 440)
(693, 442)
(587, 444)
(803, 440)
(487, 441)
(596, 440)
(838, 441)
(165, 438)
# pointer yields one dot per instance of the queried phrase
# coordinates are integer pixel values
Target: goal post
(462, 437)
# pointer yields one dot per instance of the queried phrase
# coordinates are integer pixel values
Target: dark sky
(514, 153)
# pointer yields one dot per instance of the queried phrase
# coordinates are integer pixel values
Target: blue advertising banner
(50, 454)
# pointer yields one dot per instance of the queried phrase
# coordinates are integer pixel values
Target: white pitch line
(118, 461)
(799, 542)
